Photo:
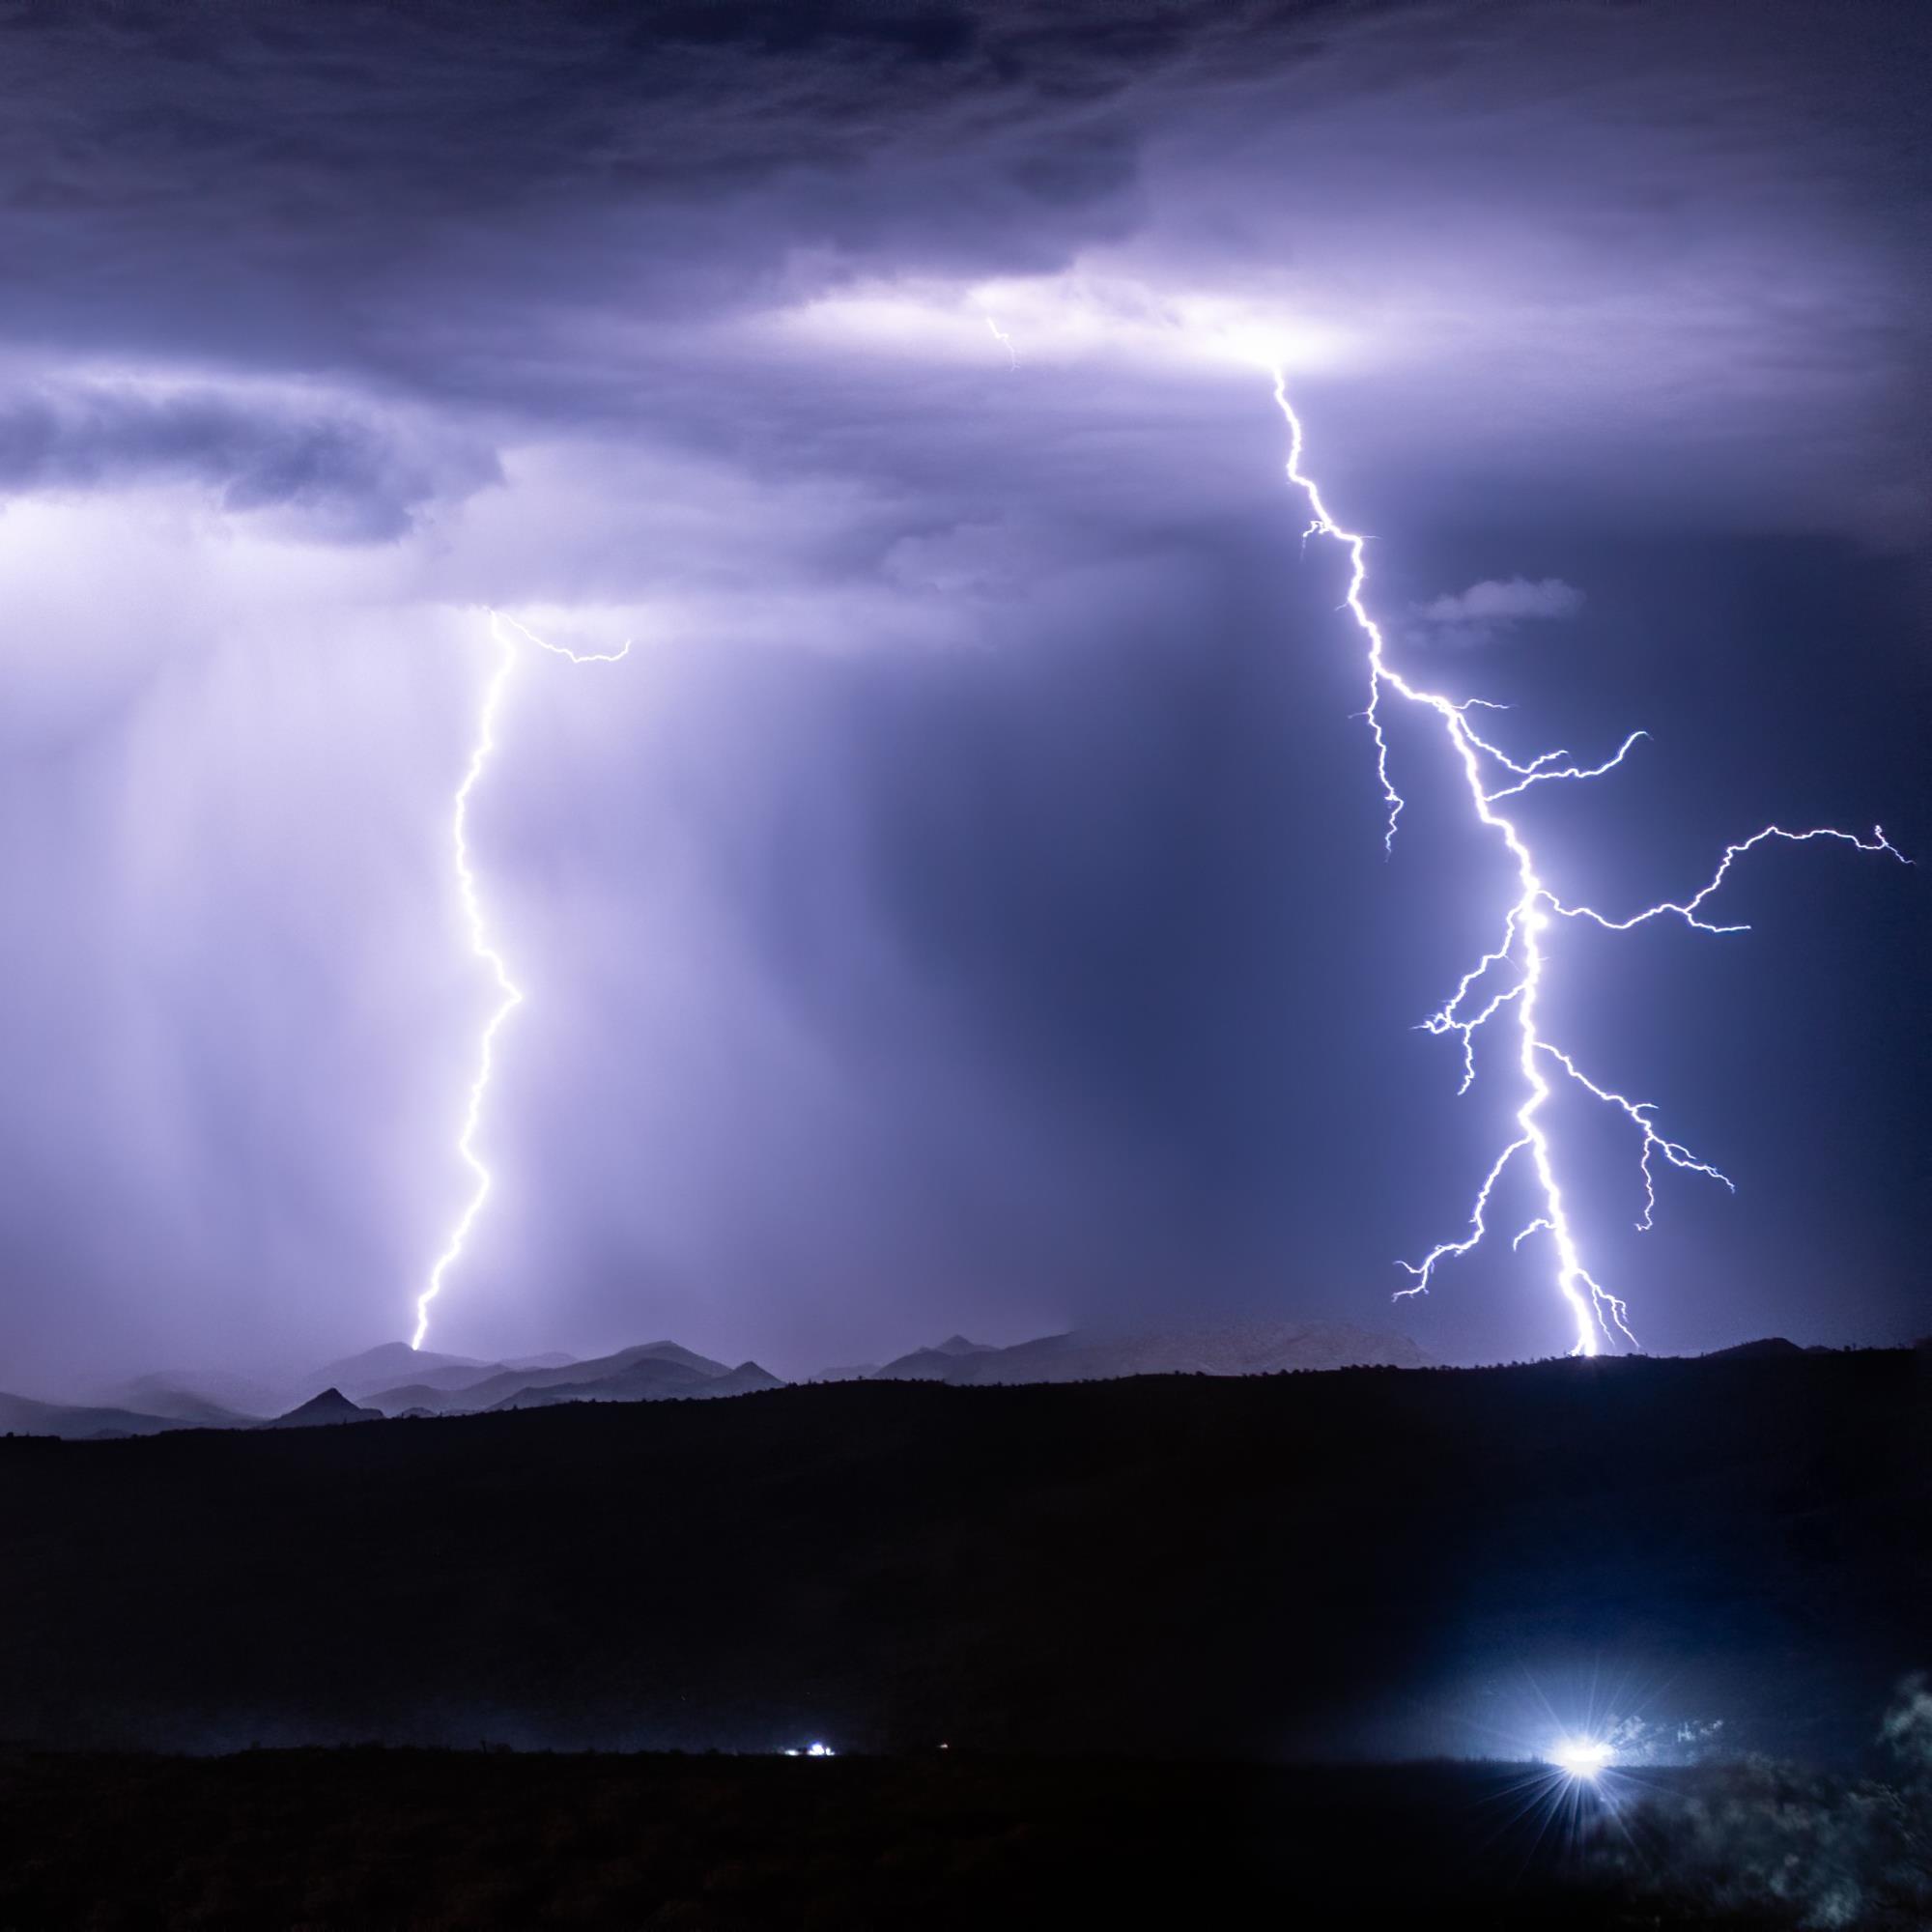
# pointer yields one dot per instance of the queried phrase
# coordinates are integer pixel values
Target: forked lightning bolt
(507, 633)
(1510, 976)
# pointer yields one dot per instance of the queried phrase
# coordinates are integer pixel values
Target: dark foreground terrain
(473, 1839)
(1372, 1563)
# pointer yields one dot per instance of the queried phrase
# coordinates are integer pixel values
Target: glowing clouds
(1082, 315)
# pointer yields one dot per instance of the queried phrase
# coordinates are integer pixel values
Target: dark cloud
(1508, 215)
(675, 159)
(345, 478)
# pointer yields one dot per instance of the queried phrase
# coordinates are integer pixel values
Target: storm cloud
(965, 906)
(340, 477)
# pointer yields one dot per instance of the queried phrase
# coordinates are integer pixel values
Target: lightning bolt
(1006, 342)
(507, 633)
(1510, 976)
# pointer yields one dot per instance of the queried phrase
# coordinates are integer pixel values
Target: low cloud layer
(336, 473)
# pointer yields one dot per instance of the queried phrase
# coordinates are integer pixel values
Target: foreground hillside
(1365, 1561)
(714, 1844)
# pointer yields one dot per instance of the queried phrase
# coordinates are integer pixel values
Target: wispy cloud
(1491, 609)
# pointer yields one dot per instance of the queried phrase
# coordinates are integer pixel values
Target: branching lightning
(507, 633)
(1511, 975)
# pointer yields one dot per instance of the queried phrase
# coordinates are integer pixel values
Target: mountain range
(389, 1381)
(1086, 1355)
(650, 1372)
(395, 1380)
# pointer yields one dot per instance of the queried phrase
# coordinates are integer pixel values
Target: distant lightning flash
(1511, 973)
(509, 995)
(1006, 342)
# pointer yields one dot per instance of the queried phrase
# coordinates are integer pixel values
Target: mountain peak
(1747, 1351)
(319, 1410)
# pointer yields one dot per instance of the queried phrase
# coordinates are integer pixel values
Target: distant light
(820, 1751)
(1581, 1757)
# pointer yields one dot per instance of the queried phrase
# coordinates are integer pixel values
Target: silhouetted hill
(935, 1364)
(747, 1378)
(654, 1366)
(433, 1395)
(211, 1400)
(946, 1842)
(319, 1411)
(1247, 1348)
(1746, 1352)
(443, 1384)
(649, 1379)
(21, 1414)
(438, 1382)
(363, 1373)
(1364, 1560)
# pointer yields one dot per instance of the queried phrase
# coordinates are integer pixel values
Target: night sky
(965, 907)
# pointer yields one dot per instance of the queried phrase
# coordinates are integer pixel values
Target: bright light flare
(1511, 973)
(507, 633)
(1585, 1758)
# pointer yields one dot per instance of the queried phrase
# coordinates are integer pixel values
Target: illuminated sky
(965, 906)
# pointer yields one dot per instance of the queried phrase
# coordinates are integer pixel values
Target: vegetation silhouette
(1313, 1565)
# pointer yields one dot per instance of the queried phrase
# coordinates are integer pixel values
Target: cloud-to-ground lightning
(1511, 973)
(508, 635)
(1006, 342)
